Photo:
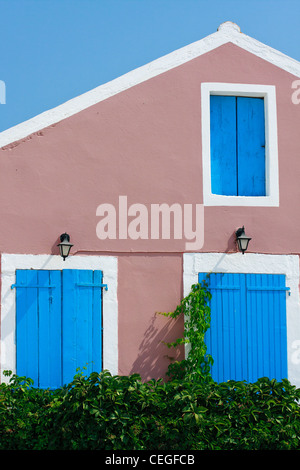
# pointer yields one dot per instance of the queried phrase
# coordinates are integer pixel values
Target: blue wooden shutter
(82, 322)
(38, 326)
(225, 338)
(223, 145)
(251, 146)
(267, 336)
(237, 128)
(247, 337)
(58, 324)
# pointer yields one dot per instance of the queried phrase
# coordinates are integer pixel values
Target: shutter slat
(50, 329)
(69, 352)
(27, 326)
(97, 322)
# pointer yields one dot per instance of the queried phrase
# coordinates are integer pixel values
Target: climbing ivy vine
(196, 311)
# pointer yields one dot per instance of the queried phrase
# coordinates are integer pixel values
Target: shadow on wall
(154, 356)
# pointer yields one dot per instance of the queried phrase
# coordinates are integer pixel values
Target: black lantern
(242, 239)
(64, 245)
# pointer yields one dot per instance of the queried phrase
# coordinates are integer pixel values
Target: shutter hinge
(32, 287)
(92, 285)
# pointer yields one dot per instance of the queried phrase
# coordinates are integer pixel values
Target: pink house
(152, 175)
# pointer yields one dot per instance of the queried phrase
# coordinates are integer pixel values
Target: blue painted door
(237, 127)
(58, 324)
(247, 337)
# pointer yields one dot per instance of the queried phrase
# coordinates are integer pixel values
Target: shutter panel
(251, 146)
(224, 339)
(247, 337)
(267, 336)
(38, 332)
(223, 145)
(82, 320)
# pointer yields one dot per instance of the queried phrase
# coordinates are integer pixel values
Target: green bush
(26, 414)
(123, 413)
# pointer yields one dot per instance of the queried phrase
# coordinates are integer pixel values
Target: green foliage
(124, 413)
(25, 413)
(196, 311)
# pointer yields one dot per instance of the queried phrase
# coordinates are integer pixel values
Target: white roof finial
(229, 26)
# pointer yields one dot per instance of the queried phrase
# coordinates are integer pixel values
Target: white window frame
(268, 92)
(254, 263)
(11, 262)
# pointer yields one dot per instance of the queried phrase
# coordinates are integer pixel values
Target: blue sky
(54, 50)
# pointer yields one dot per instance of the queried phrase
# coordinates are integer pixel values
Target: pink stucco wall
(144, 143)
(148, 284)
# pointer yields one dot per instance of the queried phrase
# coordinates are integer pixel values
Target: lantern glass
(242, 240)
(64, 245)
(243, 243)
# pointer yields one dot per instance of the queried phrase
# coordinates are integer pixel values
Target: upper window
(237, 142)
(239, 139)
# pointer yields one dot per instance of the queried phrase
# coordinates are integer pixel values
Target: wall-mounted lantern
(242, 239)
(64, 245)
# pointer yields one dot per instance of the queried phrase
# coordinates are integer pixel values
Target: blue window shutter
(237, 127)
(251, 146)
(224, 339)
(82, 320)
(223, 145)
(247, 337)
(38, 331)
(58, 324)
(267, 335)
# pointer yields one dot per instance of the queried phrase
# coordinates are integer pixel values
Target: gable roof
(227, 32)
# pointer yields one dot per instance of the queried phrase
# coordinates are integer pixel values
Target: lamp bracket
(240, 231)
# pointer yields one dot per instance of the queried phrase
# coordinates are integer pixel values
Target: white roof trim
(227, 32)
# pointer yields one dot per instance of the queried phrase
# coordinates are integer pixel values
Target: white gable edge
(146, 72)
